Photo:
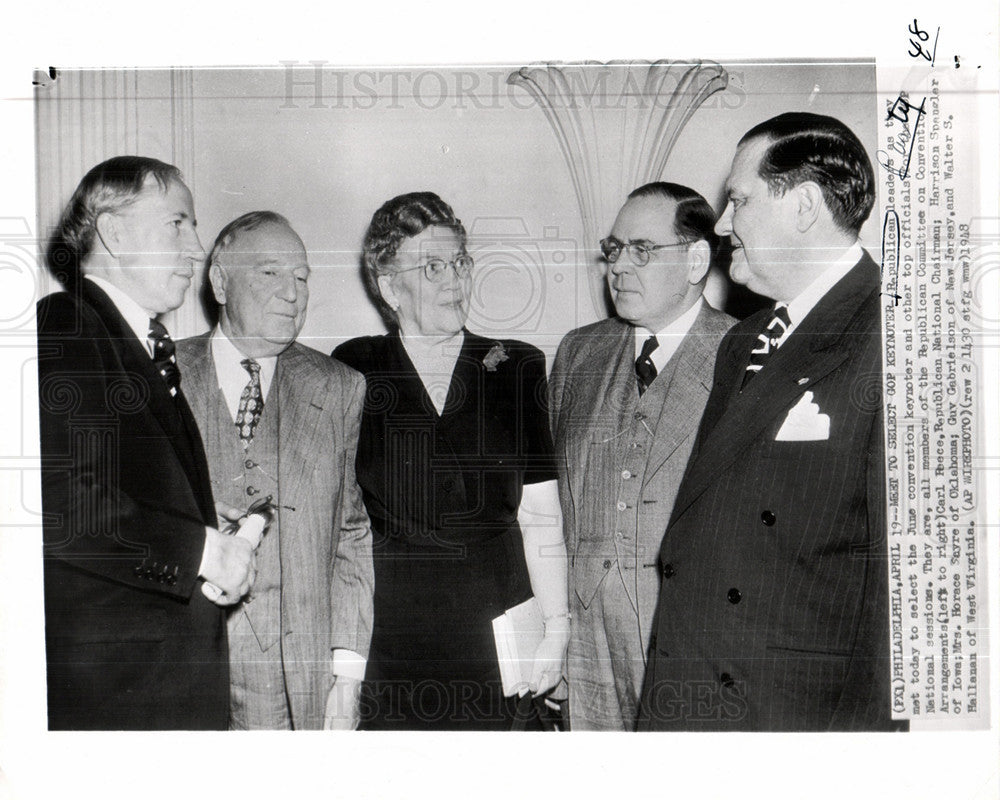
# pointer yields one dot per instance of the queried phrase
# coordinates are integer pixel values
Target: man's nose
(193, 247)
(724, 226)
(288, 289)
(621, 264)
(455, 278)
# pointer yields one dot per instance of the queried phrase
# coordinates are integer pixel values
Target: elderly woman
(456, 464)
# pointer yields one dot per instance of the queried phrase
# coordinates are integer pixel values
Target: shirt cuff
(349, 664)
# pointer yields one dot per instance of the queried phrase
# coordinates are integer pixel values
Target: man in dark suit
(281, 421)
(772, 613)
(626, 397)
(131, 642)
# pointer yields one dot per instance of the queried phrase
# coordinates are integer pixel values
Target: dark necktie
(645, 369)
(163, 356)
(251, 403)
(767, 340)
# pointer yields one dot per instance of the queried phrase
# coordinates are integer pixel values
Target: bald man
(280, 423)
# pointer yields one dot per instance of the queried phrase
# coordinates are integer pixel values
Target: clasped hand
(550, 655)
(228, 561)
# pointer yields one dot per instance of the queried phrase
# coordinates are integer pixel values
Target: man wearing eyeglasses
(626, 397)
(280, 423)
(773, 611)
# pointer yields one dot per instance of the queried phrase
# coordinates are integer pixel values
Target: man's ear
(109, 232)
(699, 259)
(809, 203)
(386, 290)
(217, 279)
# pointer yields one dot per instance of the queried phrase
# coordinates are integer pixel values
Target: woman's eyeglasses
(436, 268)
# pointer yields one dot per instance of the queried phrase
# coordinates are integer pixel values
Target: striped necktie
(163, 356)
(767, 340)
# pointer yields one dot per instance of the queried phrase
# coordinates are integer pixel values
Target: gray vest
(637, 422)
(239, 477)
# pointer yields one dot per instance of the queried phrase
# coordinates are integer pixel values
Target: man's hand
(227, 562)
(228, 513)
(343, 705)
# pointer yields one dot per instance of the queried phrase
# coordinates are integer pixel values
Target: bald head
(259, 273)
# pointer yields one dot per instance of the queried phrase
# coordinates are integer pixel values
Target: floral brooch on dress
(496, 356)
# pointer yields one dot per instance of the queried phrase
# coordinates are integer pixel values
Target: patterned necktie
(767, 340)
(163, 356)
(251, 403)
(645, 369)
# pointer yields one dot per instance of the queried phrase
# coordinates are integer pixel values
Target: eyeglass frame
(435, 277)
(649, 249)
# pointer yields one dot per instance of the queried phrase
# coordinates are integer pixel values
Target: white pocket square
(804, 423)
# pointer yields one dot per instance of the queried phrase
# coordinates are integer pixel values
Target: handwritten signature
(901, 110)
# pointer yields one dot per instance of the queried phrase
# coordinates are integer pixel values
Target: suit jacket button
(171, 580)
(734, 596)
(668, 570)
(249, 464)
(621, 505)
(767, 517)
(138, 571)
(252, 490)
(727, 680)
(607, 563)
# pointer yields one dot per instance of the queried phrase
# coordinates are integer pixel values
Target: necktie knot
(767, 340)
(645, 369)
(251, 403)
(778, 323)
(164, 356)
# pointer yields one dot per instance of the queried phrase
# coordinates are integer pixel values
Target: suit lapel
(171, 414)
(813, 350)
(608, 390)
(297, 397)
(618, 385)
(199, 386)
(198, 378)
(134, 357)
(690, 383)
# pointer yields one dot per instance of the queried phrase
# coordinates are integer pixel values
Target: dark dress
(442, 493)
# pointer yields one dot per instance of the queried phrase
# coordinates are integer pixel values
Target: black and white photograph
(643, 396)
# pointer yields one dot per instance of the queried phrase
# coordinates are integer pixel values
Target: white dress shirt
(136, 317)
(233, 378)
(815, 291)
(669, 338)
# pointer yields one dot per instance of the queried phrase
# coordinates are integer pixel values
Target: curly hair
(109, 187)
(811, 147)
(403, 217)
